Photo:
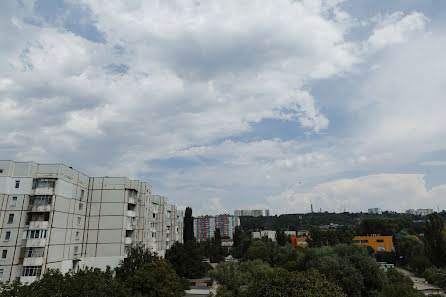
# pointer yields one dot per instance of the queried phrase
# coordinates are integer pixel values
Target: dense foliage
(146, 277)
(187, 258)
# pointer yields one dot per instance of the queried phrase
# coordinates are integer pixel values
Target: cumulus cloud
(397, 192)
(180, 79)
(396, 28)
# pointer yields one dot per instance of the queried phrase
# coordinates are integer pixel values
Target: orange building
(378, 243)
(299, 241)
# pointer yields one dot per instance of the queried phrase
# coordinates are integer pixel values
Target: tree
(137, 256)
(399, 285)
(188, 233)
(156, 279)
(234, 278)
(186, 259)
(241, 243)
(434, 239)
(281, 237)
(279, 282)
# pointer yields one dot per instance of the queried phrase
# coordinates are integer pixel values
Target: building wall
(378, 243)
(78, 220)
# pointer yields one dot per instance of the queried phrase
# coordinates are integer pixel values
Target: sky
(235, 104)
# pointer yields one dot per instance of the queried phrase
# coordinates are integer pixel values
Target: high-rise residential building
(251, 212)
(204, 226)
(53, 216)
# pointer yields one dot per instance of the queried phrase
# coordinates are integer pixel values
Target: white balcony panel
(27, 279)
(128, 240)
(131, 213)
(37, 261)
(132, 200)
(40, 208)
(44, 191)
(36, 242)
(34, 225)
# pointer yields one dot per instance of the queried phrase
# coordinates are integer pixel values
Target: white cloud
(396, 192)
(395, 29)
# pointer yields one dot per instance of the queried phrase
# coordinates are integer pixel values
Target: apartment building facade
(53, 216)
(205, 226)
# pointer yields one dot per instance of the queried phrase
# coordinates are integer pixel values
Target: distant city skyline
(224, 105)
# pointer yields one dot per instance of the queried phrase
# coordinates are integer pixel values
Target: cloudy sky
(234, 104)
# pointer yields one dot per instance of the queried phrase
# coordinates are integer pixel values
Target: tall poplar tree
(188, 232)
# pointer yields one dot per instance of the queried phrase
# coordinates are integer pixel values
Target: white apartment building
(53, 216)
(375, 210)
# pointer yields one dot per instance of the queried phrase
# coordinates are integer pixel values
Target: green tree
(241, 243)
(137, 256)
(186, 259)
(280, 282)
(156, 279)
(281, 237)
(234, 278)
(188, 226)
(399, 285)
(434, 239)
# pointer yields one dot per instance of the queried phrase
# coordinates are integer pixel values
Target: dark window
(14, 202)
(31, 270)
(8, 235)
(82, 194)
(1, 170)
(81, 206)
(40, 200)
(11, 219)
(17, 184)
(4, 254)
(379, 240)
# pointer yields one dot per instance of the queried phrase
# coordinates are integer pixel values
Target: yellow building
(378, 243)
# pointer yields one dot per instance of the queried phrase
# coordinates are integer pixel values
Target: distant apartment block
(204, 226)
(377, 211)
(53, 216)
(270, 234)
(251, 213)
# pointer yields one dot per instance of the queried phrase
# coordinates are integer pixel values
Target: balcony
(131, 213)
(38, 261)
(129, 226)
(37, 225)
(44, 191)
(40, 208)
(36, 242)
(131, 200)
(128, 240)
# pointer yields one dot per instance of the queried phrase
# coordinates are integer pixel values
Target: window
(34, 252)
(82, 194)
(44, 183)
(76, 250)
(11, 218)
(1, 171)
(154, 216)
(14, 202)
(79, 219)
(1, 274)
(4, 254)
(31, 270)
(379, 240)
(7, 235)
(77, 235)
(37, 217)
(81, 206)
(40, 200)
(32, 234)
(17, 184)
(153, 234)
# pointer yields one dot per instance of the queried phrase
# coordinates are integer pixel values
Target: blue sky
(234, 104)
